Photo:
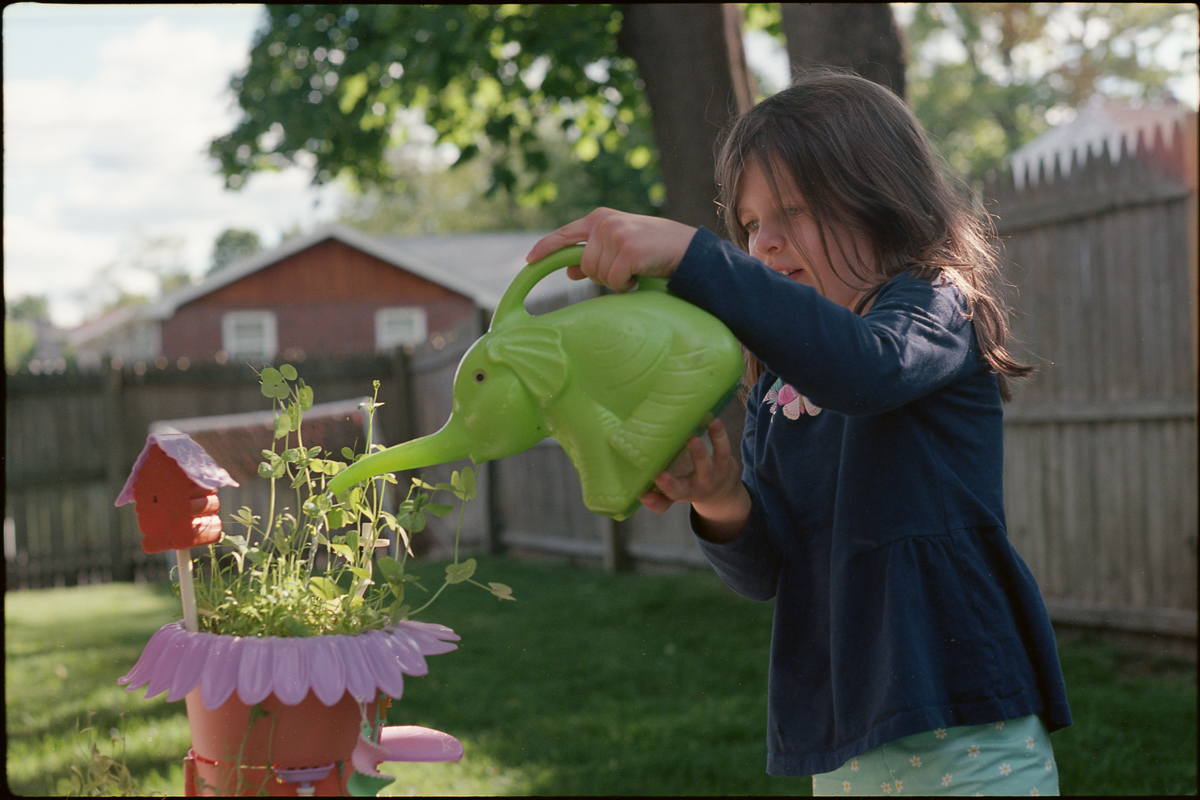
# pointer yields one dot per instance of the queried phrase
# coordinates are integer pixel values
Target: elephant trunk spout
(448, 444)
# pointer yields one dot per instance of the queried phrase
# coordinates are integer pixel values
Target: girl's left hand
(619, 246)
(711, 482)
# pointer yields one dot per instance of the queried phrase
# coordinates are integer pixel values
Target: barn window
(249, 334)
(398, 326)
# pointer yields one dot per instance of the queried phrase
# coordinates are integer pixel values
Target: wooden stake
(183, 558)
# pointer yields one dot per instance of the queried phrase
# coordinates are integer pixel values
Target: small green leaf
(287, 371)
(273, 384)
(283, 426)
(464, 484)
(457, 573)
(347, 454)
(246, 517)
(391, 569)
(343, 551)
(306, 397)
(265, 471)
(502, 591)
(336, 518)
(323, 588)
(411, 521)
(439, 509)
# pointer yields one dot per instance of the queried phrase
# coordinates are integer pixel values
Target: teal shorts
(1001, 758)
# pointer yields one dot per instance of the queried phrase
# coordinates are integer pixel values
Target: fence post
(114, 449)
(613, 535)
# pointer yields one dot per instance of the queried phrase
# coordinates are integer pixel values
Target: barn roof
(196, 464)
(478, 266)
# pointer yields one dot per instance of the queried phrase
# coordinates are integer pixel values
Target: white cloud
(119, 150)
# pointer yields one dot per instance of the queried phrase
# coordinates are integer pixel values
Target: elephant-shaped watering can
(621, 381)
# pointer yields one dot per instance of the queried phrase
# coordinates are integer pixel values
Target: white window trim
(415, 314)
(270, 332)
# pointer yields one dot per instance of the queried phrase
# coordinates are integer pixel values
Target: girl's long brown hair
(861, 160)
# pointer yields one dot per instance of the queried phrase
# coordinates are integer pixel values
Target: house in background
(334, 291)
(1112, 123)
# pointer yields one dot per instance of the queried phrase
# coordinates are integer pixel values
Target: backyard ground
(590, 684)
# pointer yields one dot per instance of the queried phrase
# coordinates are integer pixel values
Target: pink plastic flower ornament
(177, 660)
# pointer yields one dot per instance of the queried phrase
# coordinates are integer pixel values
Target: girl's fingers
(721, 448)
(573, 232)
(656, 502)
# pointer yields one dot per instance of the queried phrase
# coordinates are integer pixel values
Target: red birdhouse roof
(191, 458)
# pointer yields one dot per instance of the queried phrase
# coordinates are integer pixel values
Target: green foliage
(20, 343)
(984, 76)
(31, 307)
(233, 245)
(270, 583)
(20, 328)
(432, 198)
(325, 84)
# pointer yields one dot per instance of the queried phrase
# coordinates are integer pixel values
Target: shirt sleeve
(748, 564)
(915, 339)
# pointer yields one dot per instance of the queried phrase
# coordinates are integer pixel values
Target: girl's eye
(750, 226)
(794, 211)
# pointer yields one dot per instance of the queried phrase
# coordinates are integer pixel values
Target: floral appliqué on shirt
(794, 404)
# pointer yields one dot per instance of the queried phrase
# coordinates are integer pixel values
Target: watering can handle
(512, 303)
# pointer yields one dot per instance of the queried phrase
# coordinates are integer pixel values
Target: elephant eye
(480, 376)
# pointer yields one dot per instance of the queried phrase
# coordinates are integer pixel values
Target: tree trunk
(691, 60)
(862, 37)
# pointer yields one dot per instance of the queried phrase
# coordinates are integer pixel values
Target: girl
(911, 650)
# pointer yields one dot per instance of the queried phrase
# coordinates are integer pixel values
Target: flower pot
(306, 736)
(284, 716)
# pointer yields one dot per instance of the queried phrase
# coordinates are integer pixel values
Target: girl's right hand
(713, 486)
(619, 246)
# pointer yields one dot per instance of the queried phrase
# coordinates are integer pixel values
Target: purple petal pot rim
(247, 665)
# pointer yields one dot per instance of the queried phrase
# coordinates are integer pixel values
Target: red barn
(337, 290)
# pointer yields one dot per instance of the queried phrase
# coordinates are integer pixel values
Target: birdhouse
(173, 487)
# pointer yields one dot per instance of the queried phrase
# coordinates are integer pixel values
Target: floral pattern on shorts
(1013, 757)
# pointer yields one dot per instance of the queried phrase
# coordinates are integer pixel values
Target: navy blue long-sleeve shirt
(877, 523)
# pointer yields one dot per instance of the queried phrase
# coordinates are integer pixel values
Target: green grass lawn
(591, 684)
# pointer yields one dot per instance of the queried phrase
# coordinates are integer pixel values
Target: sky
(106, 130)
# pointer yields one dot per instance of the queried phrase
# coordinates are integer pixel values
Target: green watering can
(622, 381)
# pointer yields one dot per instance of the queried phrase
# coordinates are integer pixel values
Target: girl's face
(774, 233)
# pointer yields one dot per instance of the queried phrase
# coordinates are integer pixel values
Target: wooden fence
(72, 439)
(1100, 477)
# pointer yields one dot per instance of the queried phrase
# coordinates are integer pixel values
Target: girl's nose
(767, 241)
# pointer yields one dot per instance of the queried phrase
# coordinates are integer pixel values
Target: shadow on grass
(590, 684)
(602, 684)
(64, 650)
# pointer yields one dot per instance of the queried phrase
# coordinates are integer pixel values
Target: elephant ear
(535, 353)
